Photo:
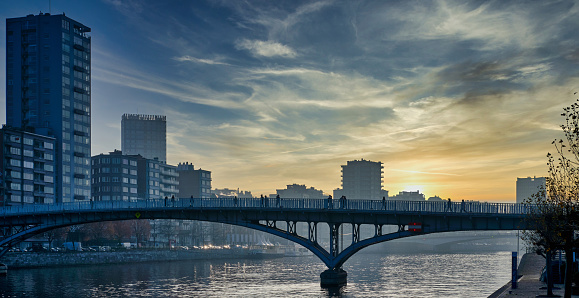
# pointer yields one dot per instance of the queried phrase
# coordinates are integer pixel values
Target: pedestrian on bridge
(384, 203)
(277, 200)
(329, 205)
(261, 201)
(449, 205)
(235, 201)
(462, 206)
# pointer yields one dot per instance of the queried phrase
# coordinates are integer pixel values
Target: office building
(48, 93)
(361, 180)
(114, 177)
(27, 168)
(145, 135)
(193, 183)
(527, 187)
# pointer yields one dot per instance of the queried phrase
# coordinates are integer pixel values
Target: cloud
(265, 48)
(200, 61)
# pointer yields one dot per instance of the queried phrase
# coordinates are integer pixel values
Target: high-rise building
(193, 183)
(145, 135)
(48, 93)
(527, 187)
(361, 180)
(26, 167)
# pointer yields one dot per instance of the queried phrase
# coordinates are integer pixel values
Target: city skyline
(455, 99)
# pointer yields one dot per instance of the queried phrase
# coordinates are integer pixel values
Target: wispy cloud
(265, 48)
(198, 60)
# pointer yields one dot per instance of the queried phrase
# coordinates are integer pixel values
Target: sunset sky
(455, 98)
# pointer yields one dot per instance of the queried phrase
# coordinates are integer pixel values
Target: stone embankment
(53, 259)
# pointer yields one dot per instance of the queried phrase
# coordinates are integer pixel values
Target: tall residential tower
(145, 135)
(361, 179)
(48, 93)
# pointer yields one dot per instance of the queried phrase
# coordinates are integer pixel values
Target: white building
(527, 187)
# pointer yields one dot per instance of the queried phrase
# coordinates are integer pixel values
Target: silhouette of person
(277, 200)
(462, 206)
(449, 205)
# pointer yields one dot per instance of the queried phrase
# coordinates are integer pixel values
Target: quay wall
(53, 259)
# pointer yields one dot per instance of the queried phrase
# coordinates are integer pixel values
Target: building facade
(193, 183)
(297, 191)
(361, 180)
(114, 177)
(27, 168)
(48, 93)
(527, 187)
(145, 135)
(410, 196)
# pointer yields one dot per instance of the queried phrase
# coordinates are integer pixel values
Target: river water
(369, 275)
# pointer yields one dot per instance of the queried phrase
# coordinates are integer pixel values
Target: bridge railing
(275, 203)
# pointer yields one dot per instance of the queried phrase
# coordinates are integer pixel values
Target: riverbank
(17, 260)
(528, 284)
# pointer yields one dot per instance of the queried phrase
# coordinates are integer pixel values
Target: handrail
(443, 207)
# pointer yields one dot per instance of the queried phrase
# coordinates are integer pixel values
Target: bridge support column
(332, 278)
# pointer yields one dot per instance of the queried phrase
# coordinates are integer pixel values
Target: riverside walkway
(279, 217)
(529, 284)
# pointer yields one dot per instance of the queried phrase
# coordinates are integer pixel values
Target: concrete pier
(333, 278)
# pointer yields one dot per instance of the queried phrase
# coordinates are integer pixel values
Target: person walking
(449, 205)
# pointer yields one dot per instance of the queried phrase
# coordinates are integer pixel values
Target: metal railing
(273, 204)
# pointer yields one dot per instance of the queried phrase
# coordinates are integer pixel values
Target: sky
(455, 98)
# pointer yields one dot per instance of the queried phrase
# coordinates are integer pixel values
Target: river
(369, 275)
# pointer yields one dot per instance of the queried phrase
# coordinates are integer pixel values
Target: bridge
(279, 217)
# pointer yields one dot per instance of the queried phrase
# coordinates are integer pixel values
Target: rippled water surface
(369, 275)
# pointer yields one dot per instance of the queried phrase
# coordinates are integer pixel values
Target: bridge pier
(333, 278)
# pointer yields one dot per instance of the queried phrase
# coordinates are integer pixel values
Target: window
(15, 162)
(28, 141)
(15, 186)
(29, 164)
(48, 179)
(48, 156)
(28, 153)
(48, 168)
(49, 190)
(14, 150)
(27, 176)
(133, 172)
(15, 139)
(28, 187)
(48, 145)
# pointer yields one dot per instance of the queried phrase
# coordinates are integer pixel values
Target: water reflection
(369, 275)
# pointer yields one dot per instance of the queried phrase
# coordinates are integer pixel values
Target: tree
(552, 212)
(55, 234)
(141, 230)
